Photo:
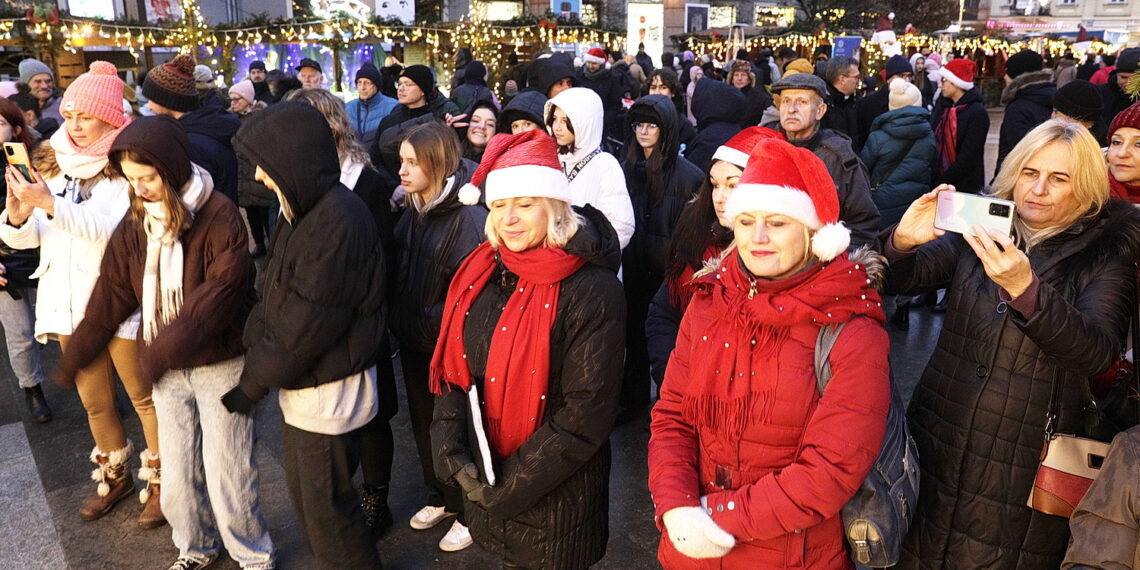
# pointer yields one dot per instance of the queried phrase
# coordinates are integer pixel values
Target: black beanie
(898, 64)
(369, 72)
(1024, 61)
(1078, 99)
(1127, 60)
(257, 65)
(421, 75)
(163, 142)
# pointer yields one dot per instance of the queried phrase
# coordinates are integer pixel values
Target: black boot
(37, 404)
(377, 515)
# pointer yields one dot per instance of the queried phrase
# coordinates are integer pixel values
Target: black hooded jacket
(210, 129)
(545, 72)
(321, 313)
(1113, 98)
(550, 506)
(1028, 102)
(718, 107)
(645, 258)
(528, 105)
(609, 86)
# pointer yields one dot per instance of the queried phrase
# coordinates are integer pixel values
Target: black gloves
(238, 403)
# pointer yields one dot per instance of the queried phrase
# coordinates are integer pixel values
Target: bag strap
(823, 345)
(582, 164)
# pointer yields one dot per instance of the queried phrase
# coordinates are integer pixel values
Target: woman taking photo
(701, 233)
(17, 300)
(660, 182)
(181, 257)
(1050, 305)
(749, 465)
(69, 209)
(432, 238)
(532, 338)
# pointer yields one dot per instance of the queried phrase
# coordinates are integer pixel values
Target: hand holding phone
(963, 213)
(17, 155)
(917, 224)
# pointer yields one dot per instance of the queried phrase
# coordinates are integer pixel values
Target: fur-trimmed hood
(1035, 84)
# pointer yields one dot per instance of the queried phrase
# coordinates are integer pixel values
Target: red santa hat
(515, 166)
(960, 72)
(737, 149)
(596, 55)
(784, 179)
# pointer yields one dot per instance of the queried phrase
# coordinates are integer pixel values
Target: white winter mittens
(695, 535)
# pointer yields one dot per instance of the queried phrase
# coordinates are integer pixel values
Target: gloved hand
(695, 534)
(473, 488)
(237, 402)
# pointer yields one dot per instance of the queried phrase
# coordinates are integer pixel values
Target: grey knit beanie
(30, 68)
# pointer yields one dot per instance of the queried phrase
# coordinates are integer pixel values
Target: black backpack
(877, 518)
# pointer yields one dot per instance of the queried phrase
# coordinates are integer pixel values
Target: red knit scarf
(518, 364)
(746, 334)
(947, 138)
(1124, 191)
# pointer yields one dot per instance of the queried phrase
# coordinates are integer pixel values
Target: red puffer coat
(743, 423)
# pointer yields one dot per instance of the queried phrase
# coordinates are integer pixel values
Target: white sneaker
(428, 517)
(456, 539)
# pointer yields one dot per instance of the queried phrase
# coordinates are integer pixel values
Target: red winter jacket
(800, 457)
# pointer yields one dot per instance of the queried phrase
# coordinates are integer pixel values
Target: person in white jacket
(69, 207)
(574, 119)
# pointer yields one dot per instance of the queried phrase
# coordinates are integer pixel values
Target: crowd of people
(586, 243)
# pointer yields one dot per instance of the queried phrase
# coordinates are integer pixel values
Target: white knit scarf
(162, 272)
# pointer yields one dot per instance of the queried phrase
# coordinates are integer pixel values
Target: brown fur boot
(115, 482)
(151, 473)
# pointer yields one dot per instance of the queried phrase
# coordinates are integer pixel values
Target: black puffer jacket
(550, 505)
(321, 315)
(718, 107)
(384, 152)
(645, 258)
(430, 247)
(1028, 102)
(978, 414)
(210, 128)
(609, 86)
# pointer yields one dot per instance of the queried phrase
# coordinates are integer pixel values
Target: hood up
(716, 102)
(292, 143)
(584, 109)
(1036, 86)
(669, 142)
(528, 105)
(211, 120)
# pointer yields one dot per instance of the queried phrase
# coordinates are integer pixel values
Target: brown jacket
(1106, 524)
(217, 295)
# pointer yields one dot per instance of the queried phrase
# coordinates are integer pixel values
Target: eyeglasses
(645, 127)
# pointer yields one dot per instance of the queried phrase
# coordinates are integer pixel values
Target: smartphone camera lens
(10, 150)
(999, 210)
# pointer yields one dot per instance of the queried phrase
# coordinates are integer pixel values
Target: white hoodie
(601, 183)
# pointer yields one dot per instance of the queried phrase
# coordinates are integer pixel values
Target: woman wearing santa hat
(69, 208)
(961, 125)
(701, 233)
(528, 366)
(749, 465)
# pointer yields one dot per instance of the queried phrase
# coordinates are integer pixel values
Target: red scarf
(947, 138)
(1124, 191)
(518, 364)
(744, 328)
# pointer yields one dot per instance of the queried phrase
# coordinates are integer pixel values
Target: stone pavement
(45, 475)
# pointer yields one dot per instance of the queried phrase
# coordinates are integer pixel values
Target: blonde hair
(1088, 173)
(347, 147)
(438, 152)
(562, 222)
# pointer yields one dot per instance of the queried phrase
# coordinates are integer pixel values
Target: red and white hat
(515, 166)
(596, 55)
(784, 179)
(960, 72)
(737, 149)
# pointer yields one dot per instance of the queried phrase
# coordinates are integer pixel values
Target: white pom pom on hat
(517, 166)
(784, 179)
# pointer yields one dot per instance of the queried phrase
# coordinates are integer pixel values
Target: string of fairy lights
(489, 42)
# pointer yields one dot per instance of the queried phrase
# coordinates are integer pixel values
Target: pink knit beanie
(244, 89)
(98, 93)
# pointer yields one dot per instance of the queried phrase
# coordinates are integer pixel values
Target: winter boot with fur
(151, 473)
(115, 482)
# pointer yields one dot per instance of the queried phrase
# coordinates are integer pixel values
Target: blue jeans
(19, 317)
(207, 447)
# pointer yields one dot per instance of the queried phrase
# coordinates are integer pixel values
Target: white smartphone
(959, 212)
